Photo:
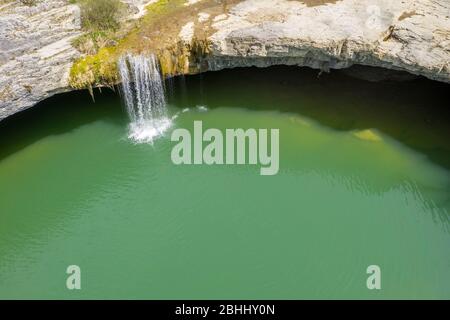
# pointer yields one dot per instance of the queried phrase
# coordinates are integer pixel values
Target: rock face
(36, 51)
(410, 35)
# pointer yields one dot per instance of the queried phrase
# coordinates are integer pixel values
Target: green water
(75, 190)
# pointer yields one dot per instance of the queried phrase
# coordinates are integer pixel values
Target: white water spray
(143, 92)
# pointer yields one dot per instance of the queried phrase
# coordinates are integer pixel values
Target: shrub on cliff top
(100, 14)
(29, 2)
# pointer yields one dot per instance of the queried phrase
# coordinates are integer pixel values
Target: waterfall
(143, 94)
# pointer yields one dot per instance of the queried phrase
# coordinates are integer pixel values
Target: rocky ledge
(412, 36)
(36, 51)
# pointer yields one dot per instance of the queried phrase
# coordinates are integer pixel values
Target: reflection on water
(364, 179)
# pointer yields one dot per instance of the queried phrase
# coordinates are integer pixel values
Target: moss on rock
(95, 70)
(156, 32)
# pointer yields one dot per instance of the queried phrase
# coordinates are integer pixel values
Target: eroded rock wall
(410, 35)
(35, 51)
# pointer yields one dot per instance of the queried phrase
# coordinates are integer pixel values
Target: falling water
(143, 93)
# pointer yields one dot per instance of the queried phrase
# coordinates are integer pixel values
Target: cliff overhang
(201, 35)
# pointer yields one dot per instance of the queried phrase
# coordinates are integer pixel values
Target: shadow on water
(57, 115)
(415, 113)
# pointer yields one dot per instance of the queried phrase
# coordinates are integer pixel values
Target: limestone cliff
(413, 36)
(36, 51)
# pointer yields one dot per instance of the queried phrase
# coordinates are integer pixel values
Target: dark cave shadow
(58, 115)
(415, 113)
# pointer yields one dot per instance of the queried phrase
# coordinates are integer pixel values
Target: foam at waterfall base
(143, 93)
(149, 130)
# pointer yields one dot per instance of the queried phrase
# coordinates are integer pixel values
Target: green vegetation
(100, 19)
(99, 15)
(90, 43)
(102, 45)
(157, 32)
(29, 2)
(99, 69)
(163, 7)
